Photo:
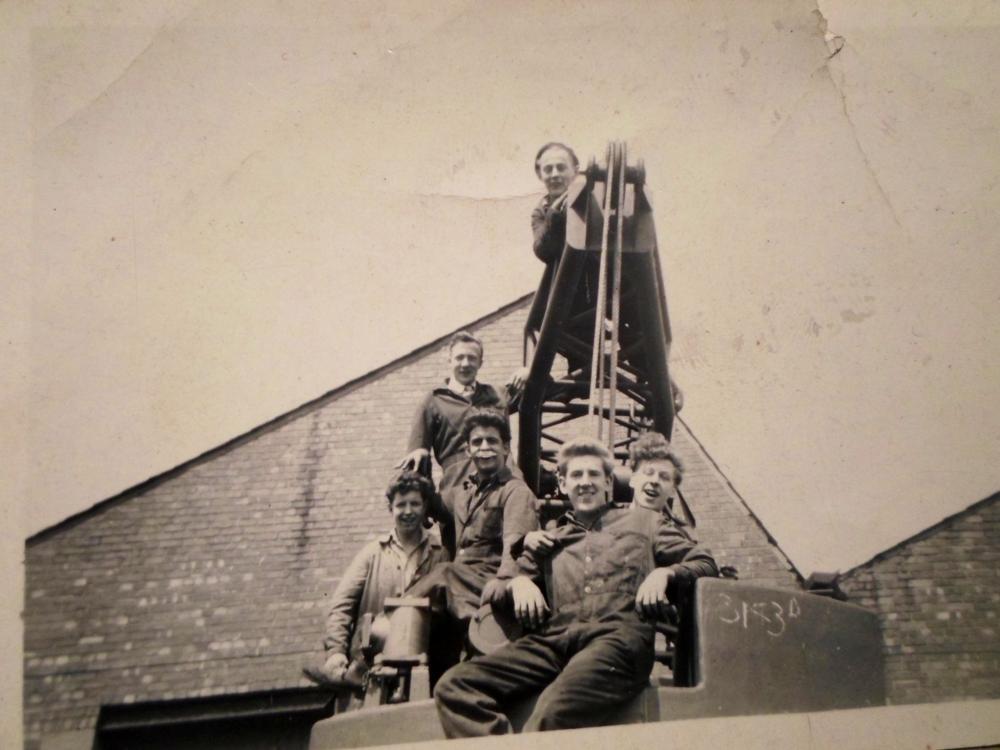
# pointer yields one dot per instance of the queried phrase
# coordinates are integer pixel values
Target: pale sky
(234, 207)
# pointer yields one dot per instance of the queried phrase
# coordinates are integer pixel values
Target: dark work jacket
(491, 515)
(668, 515)
(593, 574)
(438, 423)
(549, 231)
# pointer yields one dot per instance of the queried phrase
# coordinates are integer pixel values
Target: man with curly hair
(385, 567)
(493, 512)
(656, 474)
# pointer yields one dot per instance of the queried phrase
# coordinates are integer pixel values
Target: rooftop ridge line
(741, 500)
(922, 534)
(273, 423)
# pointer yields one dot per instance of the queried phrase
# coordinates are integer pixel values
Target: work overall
(594, 653)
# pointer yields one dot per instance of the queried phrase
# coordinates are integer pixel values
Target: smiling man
(437, 426)
(555, 165)
(495, 510)
(609, 573)
(385, 567)
(656, 475)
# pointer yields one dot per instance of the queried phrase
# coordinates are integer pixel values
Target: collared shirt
(380, 570)
(465, 391)
(492, 514)
(594, 572)
(438, 422)
(407, 561)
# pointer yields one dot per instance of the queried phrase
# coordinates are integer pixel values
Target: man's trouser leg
(446, 643)
(447, 634)
(610, 666)
(469, 695)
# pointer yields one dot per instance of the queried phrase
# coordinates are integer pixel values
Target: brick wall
(725, 524)
(213, 579)
(938, 597)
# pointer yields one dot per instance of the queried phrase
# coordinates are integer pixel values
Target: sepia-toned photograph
(401, 372)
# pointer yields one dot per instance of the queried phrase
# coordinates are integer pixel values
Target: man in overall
(493, 510)
(590, 649)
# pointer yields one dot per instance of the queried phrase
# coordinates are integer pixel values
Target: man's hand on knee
(529, 604)
(651, 598)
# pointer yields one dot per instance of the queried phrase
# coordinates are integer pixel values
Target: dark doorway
(275, 720)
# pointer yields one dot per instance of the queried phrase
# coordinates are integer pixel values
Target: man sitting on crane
(590, 646)
(556, 166)
(494, 510)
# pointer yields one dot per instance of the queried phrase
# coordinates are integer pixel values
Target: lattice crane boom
(603, 311)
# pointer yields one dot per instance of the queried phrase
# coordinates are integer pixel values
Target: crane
(596, 347)
(600, 308)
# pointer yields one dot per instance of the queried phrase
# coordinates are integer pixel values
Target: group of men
(586, 590)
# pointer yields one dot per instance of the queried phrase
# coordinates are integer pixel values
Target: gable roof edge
(272, 424)
(921, 535)
(746, 506)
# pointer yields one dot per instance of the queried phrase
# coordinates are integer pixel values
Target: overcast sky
(237, 206)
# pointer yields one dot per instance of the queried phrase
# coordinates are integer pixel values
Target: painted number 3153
(771, 615)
